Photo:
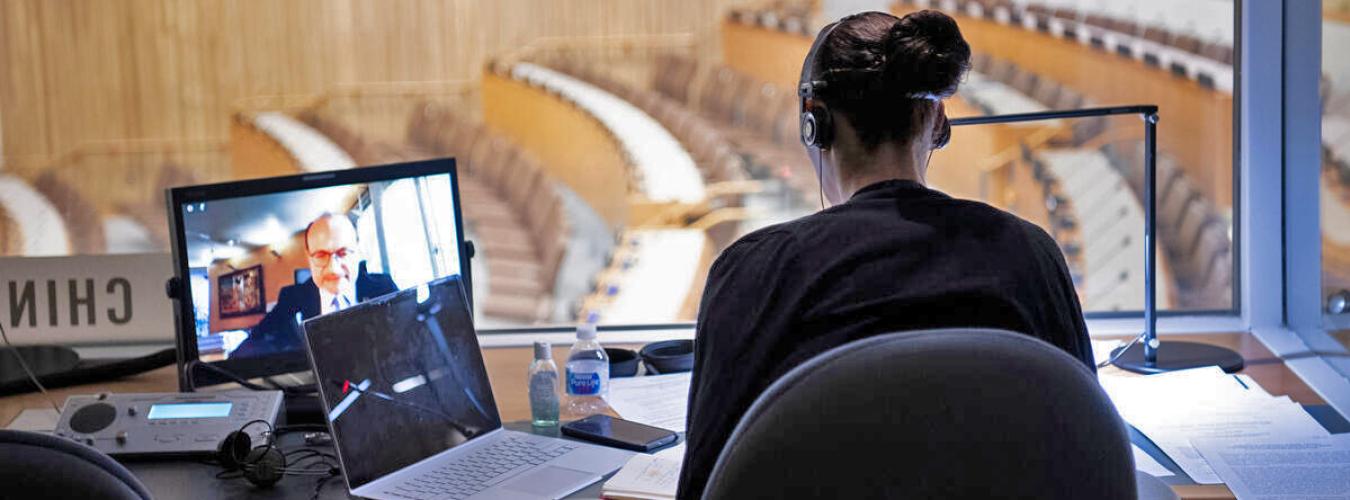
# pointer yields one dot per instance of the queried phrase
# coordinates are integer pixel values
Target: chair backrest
(36, 465)
(955, 413)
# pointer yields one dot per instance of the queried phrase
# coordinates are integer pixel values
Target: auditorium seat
(312, 151)
(1184, 219)
(82, 219)
(40, 229)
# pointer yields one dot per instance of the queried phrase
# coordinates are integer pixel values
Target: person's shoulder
(297, 290)
(777, 240)
(991, 218)
(783, 233)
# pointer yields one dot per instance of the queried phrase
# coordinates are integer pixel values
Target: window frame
(1284, 310)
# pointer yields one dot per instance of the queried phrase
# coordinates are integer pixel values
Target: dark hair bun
(926, 54)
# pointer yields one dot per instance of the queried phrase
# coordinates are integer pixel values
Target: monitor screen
(261, 256)
(403, 366)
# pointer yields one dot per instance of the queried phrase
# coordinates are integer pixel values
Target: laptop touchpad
(550, 481)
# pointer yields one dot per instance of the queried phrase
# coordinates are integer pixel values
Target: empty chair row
(1186, 54)
(1110, 224)
(998, 86)
(651, 277)
(788, 17)
(311, 150)
(520, 214)
(759, 119)
(712, 153)
(1192, 232)
(665, 172)
(29, 224)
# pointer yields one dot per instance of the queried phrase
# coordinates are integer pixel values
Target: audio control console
(164, 423)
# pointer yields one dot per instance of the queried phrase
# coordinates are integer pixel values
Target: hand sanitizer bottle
(543, 387)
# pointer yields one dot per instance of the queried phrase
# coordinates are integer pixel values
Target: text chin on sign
(86, 299)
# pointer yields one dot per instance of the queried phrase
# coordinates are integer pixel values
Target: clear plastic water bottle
(543, 387)
(587, 374)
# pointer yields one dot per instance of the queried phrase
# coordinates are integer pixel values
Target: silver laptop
(407, 398)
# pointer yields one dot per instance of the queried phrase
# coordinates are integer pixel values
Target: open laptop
(408, 401)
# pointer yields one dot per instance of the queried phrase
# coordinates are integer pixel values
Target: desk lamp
(1146, 355)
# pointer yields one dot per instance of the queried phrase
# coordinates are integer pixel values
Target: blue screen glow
(190, 410)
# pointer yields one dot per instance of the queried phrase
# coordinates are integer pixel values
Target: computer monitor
(255, 258)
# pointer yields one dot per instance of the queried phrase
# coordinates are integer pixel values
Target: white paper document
(1144, 462)
(656, 400)
(1311, 468)
(644, 477)
(1173, 409)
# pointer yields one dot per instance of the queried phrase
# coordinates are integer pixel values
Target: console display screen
(190, 410)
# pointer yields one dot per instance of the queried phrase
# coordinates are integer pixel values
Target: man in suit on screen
(338, 280)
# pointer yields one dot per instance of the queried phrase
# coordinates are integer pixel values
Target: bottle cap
(542, 351)
(586, 331)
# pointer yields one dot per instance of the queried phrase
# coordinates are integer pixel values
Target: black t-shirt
(897, 256)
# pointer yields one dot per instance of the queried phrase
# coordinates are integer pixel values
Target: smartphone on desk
(619, 433)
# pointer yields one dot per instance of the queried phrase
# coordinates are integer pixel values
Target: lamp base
(1173, 356)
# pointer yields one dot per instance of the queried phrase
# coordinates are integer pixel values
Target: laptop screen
(402, 379)
(260, 256)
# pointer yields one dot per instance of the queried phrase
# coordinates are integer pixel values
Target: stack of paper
(645, 477)
(1311, 468)
(656, 400)
(1177, 409)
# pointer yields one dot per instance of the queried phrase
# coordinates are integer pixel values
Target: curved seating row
(311, 149)
(759, 119)
(789, 17)
(1191, 230)
(652, 279)
(712, 153)
(30, 224)
(1157, 34)
(1110, 222)
(664, 171)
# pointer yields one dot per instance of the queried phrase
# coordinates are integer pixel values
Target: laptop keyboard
(477, 471)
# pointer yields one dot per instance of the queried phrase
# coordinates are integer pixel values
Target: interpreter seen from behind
(891, 254)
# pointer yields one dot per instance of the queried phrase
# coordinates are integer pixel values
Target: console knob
(122, 437)
(93, 418)
(131, 411)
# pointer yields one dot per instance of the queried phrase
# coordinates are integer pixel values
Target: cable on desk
(1121, 351)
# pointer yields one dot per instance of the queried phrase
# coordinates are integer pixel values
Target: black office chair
(931, 414)
(36, 465)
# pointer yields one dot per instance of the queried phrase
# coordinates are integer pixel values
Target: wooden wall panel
(74, 72)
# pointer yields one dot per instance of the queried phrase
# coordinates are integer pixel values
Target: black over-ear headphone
(264, 464)
(817, 128)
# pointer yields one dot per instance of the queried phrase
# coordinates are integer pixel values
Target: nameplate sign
(87, 299)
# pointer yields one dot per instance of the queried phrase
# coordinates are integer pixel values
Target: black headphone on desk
(265, 464)
(817, 128)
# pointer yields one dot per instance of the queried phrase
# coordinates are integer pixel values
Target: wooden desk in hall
(507, 371)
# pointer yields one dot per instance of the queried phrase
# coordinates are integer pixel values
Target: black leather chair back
(931, 414)
(36, 465)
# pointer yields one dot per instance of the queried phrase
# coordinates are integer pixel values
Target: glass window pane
(609, 151)
(1335, 186)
